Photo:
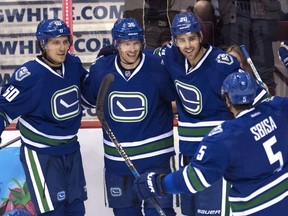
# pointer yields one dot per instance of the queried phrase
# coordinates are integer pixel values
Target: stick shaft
(10, 142)
(250, 62)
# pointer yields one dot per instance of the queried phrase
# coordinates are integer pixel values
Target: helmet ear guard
(240, 88)
(52, 28)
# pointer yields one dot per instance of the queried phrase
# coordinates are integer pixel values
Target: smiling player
(139, 112)
(45, 94)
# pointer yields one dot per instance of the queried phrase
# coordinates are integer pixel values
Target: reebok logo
(149, 182)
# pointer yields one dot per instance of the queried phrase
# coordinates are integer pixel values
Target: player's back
(259, 158)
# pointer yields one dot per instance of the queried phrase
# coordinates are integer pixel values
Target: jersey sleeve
(20, 95)
(91, 85)
(164, 81)
(206, 167)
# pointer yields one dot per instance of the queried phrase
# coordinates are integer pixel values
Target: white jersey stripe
(142, 142)
(260, 191)
(201, 177)
(200, 124)
(142, 156)
(42, 179)
(187, 181)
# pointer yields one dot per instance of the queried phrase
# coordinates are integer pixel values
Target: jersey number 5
(271, 155)
(201, 153)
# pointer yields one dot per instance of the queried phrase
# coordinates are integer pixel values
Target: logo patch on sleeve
(22, 73)
(225, 59)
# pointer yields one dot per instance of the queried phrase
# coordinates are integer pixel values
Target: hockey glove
(148, 185)
(283, 53)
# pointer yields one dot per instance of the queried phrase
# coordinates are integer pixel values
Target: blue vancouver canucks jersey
(48, 105)
(251, 153)
(138, 111)
(200, 106)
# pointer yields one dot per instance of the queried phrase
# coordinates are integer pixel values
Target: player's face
(129, 51)
(189, 45)
(56, 49)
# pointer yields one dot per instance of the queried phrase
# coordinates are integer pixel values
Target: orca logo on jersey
(127, 106)
(61, 195)
(225, 59)
(190, 96)
(115, 192)
(65, 103)
(22, 73)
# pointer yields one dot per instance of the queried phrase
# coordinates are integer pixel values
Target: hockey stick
(10, 142)
(105, 85)
(249, 60)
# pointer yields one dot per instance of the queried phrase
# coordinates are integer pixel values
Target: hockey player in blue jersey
(198, 71)
(250, 151)
(283, 53)
(139, 113)
(45, 94)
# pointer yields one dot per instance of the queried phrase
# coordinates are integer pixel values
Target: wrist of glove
(148, 185)
(283, 53)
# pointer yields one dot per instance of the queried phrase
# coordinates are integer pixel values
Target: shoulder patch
(224, 58)
(22, 73)
(216, 130)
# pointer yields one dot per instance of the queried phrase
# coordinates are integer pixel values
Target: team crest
(22, 73)
(128, 106)
(61, 195)
(191, 97)
(225, 59)
(65, 103)
(115, 192)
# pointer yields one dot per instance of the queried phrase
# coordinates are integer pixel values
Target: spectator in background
(284, 10)
(205, 12)
(155, 17)
(254, 24)
(237, 52)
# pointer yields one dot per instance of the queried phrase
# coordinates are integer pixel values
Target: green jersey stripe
(142, 149)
